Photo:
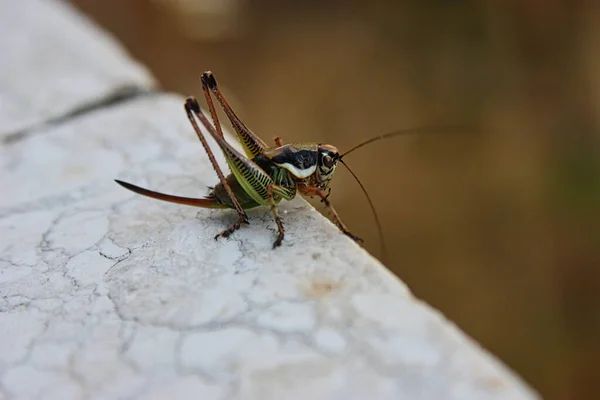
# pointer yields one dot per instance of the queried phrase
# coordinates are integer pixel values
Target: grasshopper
(264, 175)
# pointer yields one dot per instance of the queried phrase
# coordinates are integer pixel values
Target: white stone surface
(106, 294)
(55, 62)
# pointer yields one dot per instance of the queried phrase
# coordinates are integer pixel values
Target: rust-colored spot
(321, 288)
(494, 382)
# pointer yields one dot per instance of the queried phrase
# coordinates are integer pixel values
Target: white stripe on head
(299, 173)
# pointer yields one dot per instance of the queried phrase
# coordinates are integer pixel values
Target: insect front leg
(193, 108)
(313, 191)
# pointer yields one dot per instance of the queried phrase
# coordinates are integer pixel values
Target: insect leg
(253, 145)
(283, 192)
(313, 191)
(211, 108)
(192, 107)
(280, 229)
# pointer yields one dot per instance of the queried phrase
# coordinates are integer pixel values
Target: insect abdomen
(220, 194)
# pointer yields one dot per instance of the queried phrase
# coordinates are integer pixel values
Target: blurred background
(499, 230)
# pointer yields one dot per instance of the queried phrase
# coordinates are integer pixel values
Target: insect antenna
(379, 228)
(410, 131)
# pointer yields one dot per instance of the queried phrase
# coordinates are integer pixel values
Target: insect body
(264, 175)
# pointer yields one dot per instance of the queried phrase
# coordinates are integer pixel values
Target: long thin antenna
(410, 131)
(379, 229)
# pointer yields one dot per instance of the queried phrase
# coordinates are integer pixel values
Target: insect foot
(353, 237)
(277, 242)
(236, 225)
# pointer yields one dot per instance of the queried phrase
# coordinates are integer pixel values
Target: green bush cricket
(264, 175)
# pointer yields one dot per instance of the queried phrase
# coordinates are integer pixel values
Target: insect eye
(327, 161)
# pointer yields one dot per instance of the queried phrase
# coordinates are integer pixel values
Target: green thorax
(280, 176)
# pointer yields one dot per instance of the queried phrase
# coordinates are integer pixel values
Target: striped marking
(297, 172)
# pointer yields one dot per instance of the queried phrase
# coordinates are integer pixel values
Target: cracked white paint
(55, 61)
(106, 294)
